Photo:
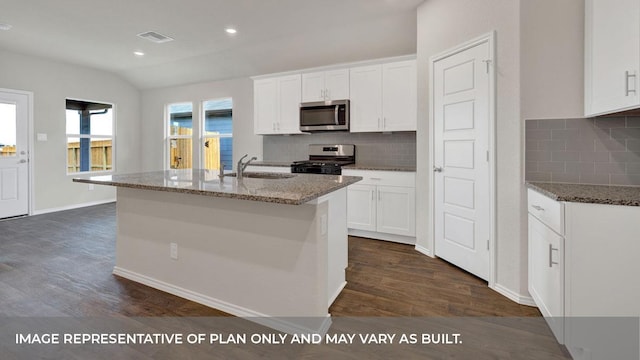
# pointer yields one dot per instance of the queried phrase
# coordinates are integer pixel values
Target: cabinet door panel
(612, 51)
(265, 109)
(366, 98)
(361, 207)
(337, 84)
(546, 274)
(396, 210)
(399, 100)
(313, 87)
(289, 105)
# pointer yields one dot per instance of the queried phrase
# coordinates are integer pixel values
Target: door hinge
(487, 155)
(487, 63)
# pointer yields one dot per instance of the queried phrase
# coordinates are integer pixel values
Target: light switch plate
(42, 137)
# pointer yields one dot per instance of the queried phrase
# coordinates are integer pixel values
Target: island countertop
(294, 190)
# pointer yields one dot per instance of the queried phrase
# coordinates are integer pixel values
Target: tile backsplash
(395, 149)
(603, 150)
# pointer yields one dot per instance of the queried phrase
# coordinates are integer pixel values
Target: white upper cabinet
(384, 97)
(277, 105)
(400, 96)
(325, 85)
(366, 98)
(265, 105)
(612, 56)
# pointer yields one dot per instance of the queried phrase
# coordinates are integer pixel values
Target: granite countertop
(594, 194)
(295, 190)
(358, 166)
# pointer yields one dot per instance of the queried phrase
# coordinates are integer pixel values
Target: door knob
(22, 161)
(437, 169)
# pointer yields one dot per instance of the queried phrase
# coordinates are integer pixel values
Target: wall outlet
(91, 187)
(173, 251)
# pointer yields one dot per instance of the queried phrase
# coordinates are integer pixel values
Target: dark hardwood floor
(60, 264)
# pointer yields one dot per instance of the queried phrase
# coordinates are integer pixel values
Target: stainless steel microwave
(324, 116)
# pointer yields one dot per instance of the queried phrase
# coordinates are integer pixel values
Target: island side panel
(244, 257)
(337, 243)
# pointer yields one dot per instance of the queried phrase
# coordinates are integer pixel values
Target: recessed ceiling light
(138, 53)
(230, 30)
(5, 26)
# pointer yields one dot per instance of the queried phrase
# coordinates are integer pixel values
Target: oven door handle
(335, 114)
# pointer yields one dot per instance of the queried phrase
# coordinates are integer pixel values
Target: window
(90, 138)
(7, 130)
(217, 135)
(214, 128)
(180, 132)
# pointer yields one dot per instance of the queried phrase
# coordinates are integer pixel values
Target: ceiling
(273, 35)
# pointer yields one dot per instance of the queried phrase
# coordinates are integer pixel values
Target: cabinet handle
(322, 93)
(273, 126)
(379, 196)
(384, 123)
(628, 75)
(372, 195)
(327, 94)
(539, 208)
(551, 250)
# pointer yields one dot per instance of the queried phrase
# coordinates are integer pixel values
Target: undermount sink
(263, 175)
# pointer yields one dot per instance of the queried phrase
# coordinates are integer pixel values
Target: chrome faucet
(241, 166)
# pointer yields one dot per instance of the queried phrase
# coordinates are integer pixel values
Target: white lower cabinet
(583, 274)
(546, 274)
(361, 204)
(382, 205)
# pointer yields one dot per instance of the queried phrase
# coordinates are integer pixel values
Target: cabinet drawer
(387, 178)
(547, 210)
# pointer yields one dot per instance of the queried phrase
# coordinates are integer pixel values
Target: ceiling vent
(155, 37)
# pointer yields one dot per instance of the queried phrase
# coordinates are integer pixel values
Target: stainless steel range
(326, 159)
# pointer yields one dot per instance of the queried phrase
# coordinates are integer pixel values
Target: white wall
(52, 82)
(539, 74)
(154, 102)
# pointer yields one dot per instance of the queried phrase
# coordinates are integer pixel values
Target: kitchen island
(272, 248)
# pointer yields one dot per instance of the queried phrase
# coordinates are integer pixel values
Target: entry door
(461, 158)
(14, 154)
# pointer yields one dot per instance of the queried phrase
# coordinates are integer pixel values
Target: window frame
(168, 137)
(90, 137)
(203, 132)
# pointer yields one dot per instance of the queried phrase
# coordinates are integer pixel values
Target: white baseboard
(514, 296)
(266, 320)
(382, 236)
(338, 291)
(72, 207)
(423, 250)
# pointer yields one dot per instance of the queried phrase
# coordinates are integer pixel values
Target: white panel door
(399, 100)
(366, 98)
(361, 207)
(14, 154)
(461, 138)
(396, 210)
